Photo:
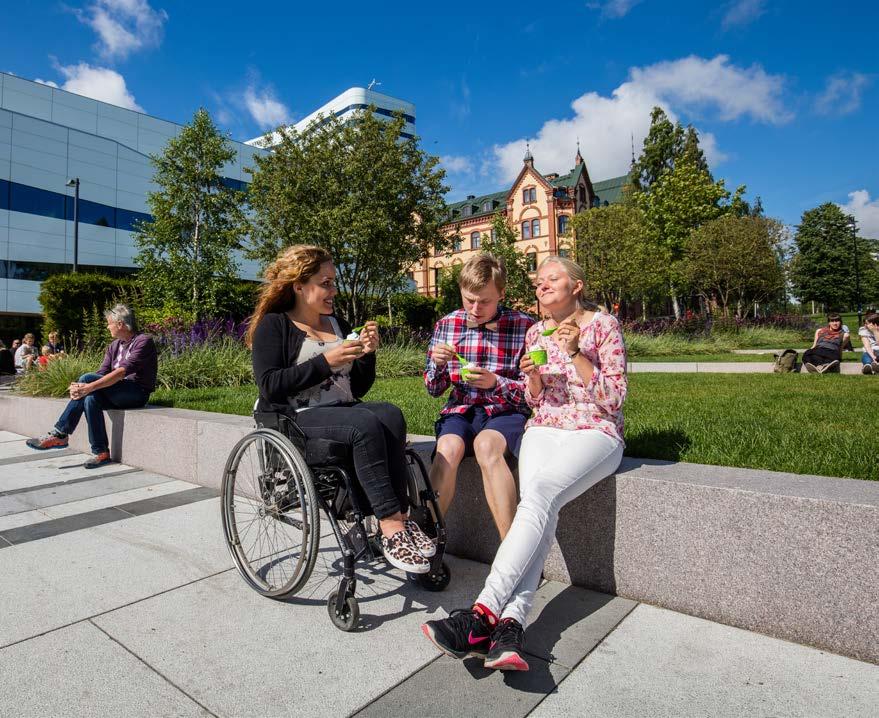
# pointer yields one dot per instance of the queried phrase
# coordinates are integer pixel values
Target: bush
(67, 298)
(449, 298)
(58, 374)
(223, 363)
(416, 311)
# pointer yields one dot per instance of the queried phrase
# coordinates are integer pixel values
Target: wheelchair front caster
(347, 619)
(433, 581)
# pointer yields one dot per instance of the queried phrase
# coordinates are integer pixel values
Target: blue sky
(785, 93)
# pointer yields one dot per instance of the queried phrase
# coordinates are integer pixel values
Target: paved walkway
(119, 599)
(721, 367)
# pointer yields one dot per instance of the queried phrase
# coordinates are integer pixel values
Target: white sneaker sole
(408, 567)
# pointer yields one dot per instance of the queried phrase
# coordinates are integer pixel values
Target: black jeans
(377, 433)
(820, 355)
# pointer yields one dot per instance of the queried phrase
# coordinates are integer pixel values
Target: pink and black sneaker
(466, 632)
(505, 651)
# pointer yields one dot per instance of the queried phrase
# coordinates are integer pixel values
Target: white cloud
(743, 12)
(123, 26)
(865, 212)
(99, 83)
(613, 8)
(456, 164)
(694, 82)
(266, 110)
(842, 94)
(606, 125)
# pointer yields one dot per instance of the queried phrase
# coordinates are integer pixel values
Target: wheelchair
(275, 483)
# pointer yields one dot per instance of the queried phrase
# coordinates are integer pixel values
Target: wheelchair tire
(270, 513)
(350, 616)
(433, 581)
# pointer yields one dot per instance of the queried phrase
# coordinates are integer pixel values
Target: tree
(679, 202)
(519, 292)
(822, 269)
(620, 261)
(665, 145)
(186, 251)
(358, 188)
(735, 260)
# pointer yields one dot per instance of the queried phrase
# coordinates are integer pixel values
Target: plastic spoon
(548, 332)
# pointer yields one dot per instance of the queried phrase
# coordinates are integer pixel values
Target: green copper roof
(610, 190)
(498, 201)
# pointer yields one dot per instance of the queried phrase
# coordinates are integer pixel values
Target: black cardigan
(277, 342)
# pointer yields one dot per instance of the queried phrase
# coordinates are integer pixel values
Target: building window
(531, 259)
(535, 227)
(456, 245)
(564, 253)
(493, 234)
(563, 223)
(437, 274)
(474, 240)
(526, 229)
(486, 207)
(529, 195)
(465, 211)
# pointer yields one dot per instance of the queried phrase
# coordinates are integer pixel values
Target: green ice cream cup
(538, 356)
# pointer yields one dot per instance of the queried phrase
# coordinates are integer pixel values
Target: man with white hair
(125, 380)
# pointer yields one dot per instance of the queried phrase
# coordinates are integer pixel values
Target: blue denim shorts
(510, 424)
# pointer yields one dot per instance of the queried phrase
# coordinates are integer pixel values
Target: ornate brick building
(538, 206)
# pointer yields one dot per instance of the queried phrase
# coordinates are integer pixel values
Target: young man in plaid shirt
(486, 411)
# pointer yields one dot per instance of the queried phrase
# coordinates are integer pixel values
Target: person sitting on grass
(125, 380)
(45, 355)
(573, 441)
(54, 344)
(486, 411)
(305, 367)
(869, 334)
(826, 350)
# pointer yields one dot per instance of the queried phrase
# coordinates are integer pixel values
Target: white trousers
(555, 467)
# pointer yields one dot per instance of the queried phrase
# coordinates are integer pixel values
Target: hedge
(67, 298)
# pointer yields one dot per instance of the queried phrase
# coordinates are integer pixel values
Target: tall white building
(345, 105)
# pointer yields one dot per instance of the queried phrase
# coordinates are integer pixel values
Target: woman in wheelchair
(305, 367)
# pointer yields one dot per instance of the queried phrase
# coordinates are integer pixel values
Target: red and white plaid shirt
(497, 351)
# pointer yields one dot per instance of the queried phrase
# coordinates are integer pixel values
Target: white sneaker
(400, 552)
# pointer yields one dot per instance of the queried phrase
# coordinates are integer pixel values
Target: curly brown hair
(298, 263)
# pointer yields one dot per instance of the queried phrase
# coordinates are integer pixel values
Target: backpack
(785, 362)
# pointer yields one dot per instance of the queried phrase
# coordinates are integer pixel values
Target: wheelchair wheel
(350, 615)
(270, 513)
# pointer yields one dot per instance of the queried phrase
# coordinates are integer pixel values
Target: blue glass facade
(48, 136)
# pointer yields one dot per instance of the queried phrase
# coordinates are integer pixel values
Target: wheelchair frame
(331, 488)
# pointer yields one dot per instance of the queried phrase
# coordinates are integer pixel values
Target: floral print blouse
(566, 402)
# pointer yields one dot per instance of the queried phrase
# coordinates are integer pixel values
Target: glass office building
(49, 136)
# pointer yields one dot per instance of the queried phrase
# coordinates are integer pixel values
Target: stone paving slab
(567, 622)
(241, 654)
(848, 368)
(660, 663)
(79, 671)
(10, 436)
(50, 467)
(98, 486)
(25, 518)
(465, 689)
(109, 566)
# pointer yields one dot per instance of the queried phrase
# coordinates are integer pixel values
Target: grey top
(335, 389)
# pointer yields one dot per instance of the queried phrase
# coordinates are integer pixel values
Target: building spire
(578, 160)
(529, 158)
(633, 149)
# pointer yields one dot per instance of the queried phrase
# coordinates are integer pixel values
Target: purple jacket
(139, 358)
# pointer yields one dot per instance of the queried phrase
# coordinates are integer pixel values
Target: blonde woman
(572, 441)
(303, 365)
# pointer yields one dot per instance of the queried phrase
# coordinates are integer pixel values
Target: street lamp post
(75, 184)
(854, 228)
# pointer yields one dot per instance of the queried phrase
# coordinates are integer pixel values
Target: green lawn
(807, 424)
